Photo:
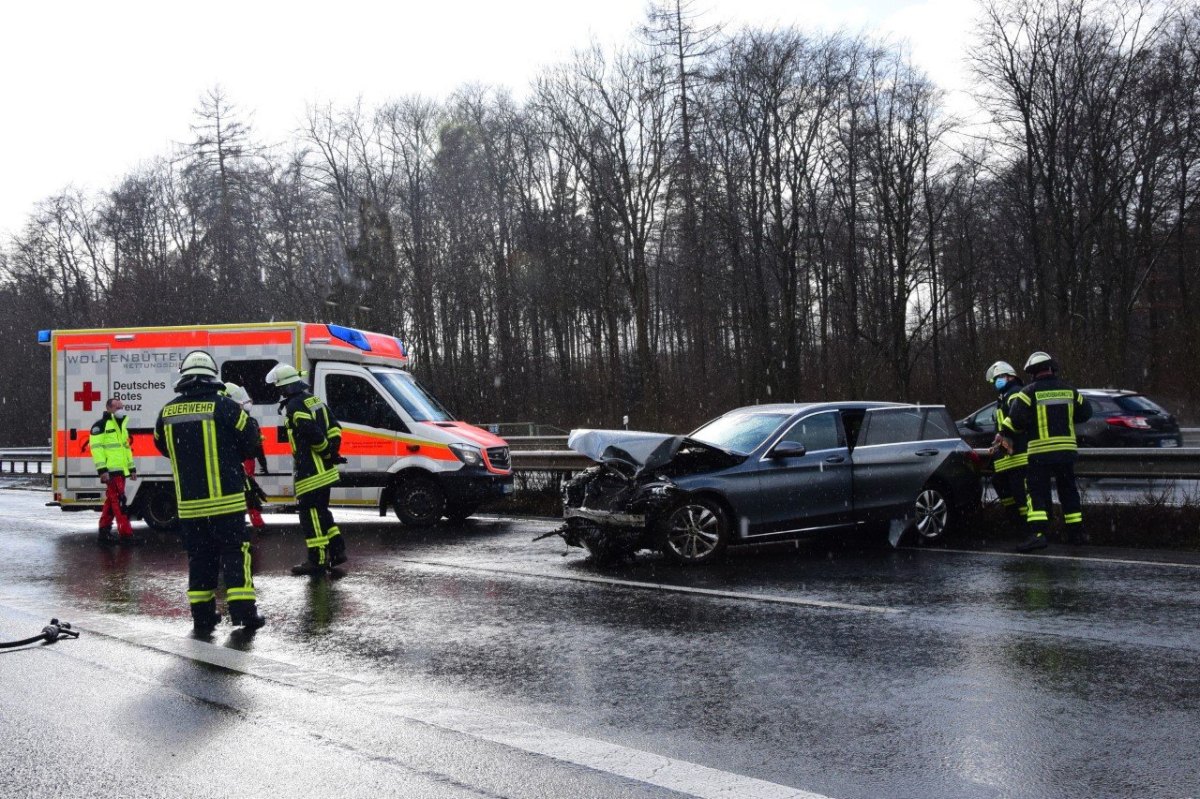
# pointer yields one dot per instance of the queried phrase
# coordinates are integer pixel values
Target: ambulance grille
(498, 457)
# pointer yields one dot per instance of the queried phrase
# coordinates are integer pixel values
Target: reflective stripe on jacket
(206, 436)
(1046, 411)
(315, 438)
(1019, 457)
(109, 442)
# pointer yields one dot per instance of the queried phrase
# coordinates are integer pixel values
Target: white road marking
(665, 587)
(1040, 556)
(621, 761)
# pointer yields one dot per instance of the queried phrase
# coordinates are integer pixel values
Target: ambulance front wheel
(419, 501)
(156, 504)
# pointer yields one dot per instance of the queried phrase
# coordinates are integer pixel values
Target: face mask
(119, 413)
(1001, 382)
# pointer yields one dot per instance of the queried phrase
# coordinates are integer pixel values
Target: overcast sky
(88, 90)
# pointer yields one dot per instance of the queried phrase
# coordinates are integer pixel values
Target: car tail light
(975, 459)
(1132, 422)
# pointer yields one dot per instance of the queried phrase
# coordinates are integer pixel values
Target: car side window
(892, 426)
(816, 432)
(938, 425)
(985, 419)
(355, 400)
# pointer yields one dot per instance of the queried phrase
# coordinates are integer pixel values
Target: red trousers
(114, 506)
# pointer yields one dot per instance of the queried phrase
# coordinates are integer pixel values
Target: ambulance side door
(371, 425)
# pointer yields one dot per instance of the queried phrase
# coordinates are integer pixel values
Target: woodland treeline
(701, 219)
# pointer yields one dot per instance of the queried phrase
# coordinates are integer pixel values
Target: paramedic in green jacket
(112, 454)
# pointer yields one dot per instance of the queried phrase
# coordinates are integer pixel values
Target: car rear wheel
(419, 501)
(694, 531)
(932, 513)
(156, 506)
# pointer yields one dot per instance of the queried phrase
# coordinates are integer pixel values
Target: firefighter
(315, 438)
(254, 493)
(1008, 448)
(1046, 412)
(113, 456)
(207, 436)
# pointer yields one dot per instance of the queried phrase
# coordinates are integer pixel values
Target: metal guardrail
(1166, 464)
(25, 456)
(522, 443)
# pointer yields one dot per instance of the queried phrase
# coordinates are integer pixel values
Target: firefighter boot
(1035, 541)
(244, 614)
(205, 617)
(309, 566)
(105, 536)
(337, 548)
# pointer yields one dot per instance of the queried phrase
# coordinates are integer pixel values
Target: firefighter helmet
(997, 369)
(283, 374)
(236, 393)
(198, 362)
(1040, 361)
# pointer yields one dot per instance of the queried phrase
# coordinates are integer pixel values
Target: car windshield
(416, 401)
(1139, 404)
(740, 433)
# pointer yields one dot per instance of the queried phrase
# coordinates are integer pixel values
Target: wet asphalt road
(468, 661)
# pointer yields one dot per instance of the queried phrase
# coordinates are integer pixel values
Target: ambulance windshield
(416, 401)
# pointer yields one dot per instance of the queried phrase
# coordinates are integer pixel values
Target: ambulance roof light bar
(351, 336)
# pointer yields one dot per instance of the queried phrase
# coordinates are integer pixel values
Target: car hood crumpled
(639, 449)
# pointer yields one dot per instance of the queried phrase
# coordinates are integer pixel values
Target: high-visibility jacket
(1018, 457)
(1046, 412)
(315, 437)
(206, 436)
(109, 442)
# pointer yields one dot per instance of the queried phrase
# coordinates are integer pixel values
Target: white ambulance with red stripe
(404, 451)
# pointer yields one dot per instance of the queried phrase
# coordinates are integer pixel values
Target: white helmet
(237, 393)
(1039, 361)
(198, 362)
(283, 374)
(997, 369)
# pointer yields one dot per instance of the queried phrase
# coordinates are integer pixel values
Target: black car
(770, 471)
(1119, 419)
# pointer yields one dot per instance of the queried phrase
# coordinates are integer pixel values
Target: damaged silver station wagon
(768, 472)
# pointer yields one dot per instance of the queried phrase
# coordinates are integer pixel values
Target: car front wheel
(931, 513)
(694, 531)
(419, 501)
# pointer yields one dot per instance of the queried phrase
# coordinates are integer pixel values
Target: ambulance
(404, 450)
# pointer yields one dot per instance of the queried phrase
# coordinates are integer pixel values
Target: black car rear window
(1139, 404)
(1103, 405)
(892, 426)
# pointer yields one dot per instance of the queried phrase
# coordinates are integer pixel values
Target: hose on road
(50, 633)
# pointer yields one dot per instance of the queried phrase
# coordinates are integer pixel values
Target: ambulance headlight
(468, 454)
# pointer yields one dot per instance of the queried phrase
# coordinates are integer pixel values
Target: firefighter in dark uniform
(315, 438)
(207, 435)
(1009, 448)
(1046, 412)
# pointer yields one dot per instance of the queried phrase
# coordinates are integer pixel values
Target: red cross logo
(87, 395)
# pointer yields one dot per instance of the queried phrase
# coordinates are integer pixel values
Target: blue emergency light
(44, 336)
(350, 336)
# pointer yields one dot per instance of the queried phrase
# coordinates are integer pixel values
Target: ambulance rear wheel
(419, 501)
(157, 508)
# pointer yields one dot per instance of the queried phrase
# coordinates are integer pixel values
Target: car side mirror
(971, 424)
(788, 449)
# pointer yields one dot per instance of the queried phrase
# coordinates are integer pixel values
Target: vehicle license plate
(1168, 442)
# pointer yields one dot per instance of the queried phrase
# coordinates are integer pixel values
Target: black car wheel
(931, 513)
(156, 506)
(418, 501)
(694, 531)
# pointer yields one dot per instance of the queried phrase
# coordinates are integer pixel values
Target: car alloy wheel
(695, 531)
(932, 513)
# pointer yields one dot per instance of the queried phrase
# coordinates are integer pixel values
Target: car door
(892, 462)
(812, 490)
(979, 429)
